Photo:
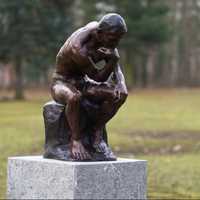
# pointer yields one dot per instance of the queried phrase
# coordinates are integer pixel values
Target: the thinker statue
(77, 79)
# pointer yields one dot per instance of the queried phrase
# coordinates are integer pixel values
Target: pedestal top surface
(41, 159)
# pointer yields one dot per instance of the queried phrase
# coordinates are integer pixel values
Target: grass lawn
(160, 126)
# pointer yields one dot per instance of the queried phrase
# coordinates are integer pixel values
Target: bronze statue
(76, 78)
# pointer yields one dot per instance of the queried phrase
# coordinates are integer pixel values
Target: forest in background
(160, 49)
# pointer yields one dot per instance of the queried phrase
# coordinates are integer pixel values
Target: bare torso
(73, 56)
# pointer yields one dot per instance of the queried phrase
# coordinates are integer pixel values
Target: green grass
(168, 110)
(173, 176)
(160, 126)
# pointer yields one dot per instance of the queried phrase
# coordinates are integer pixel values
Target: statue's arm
(120, 90)
(112, 68)
(117, 75)
(87, 65)
(102, 74)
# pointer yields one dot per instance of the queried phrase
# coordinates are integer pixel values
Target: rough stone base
(38, 178)
(58, 133)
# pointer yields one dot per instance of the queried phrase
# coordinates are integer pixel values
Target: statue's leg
(103, 94)
(67, 94)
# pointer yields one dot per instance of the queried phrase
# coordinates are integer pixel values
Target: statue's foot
(98, 144)
(78, 151)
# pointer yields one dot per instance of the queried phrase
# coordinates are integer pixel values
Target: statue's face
(110, 40)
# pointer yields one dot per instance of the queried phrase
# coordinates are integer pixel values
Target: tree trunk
(138, 71)
(185, 72)
(150, 67)
(19, 79)
(144, 69)
(127, 67)
(175, 62)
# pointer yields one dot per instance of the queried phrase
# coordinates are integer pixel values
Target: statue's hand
(120, 93)
(109, 53)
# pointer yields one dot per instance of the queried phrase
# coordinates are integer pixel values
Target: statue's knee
(121, 101)
(124, 98)
(75, 99)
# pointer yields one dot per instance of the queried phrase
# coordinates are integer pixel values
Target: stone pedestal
(38, 178)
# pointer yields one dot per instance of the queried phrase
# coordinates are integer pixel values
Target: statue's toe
(87, 156)
(74, 155)
(100, 148)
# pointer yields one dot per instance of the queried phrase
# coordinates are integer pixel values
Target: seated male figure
(76, 77)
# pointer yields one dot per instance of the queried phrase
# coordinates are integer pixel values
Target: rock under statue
(85, 97)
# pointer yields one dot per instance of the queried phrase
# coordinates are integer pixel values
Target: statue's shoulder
(81, 37)
(92, 25)
(75, 44)
(83, 33)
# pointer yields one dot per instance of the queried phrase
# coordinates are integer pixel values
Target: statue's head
(111, 28)
(112, 23)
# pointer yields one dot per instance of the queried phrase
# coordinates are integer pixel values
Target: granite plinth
(37, 178)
